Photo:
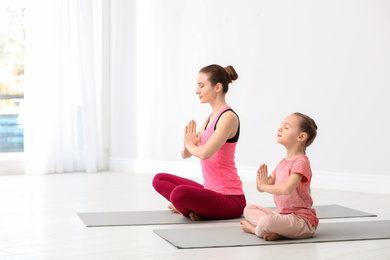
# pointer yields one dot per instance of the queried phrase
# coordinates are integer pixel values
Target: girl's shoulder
(299, 161)
(302, 166)
(302, 158)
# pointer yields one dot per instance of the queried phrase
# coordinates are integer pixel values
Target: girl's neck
(294, 153)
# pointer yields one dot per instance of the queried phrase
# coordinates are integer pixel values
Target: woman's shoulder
(227, 118)
(228, 114)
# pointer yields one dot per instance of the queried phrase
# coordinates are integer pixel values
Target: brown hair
(308, 126)
(218, 74)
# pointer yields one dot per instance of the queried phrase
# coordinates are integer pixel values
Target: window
(12, 46)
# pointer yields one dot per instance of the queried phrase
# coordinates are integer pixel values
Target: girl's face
(289, 132)
(207, 93)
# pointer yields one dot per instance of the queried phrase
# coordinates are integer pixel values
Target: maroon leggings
(186, 196)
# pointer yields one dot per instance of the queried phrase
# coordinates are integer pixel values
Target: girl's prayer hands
(262, 176)
(190, 135)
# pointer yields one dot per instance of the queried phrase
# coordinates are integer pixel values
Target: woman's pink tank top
(219, 171)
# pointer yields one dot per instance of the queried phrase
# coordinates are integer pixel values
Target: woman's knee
(180, 197)
(179, 193)
(157, 180)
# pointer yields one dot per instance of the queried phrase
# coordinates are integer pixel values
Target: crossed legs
(268, 224)
(190, 198)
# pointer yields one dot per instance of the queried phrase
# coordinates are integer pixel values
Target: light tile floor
(38, 220)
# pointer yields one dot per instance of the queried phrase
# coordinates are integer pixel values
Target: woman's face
(207, 93)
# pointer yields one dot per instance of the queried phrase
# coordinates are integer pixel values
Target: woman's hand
(190, 135)
(226, 128)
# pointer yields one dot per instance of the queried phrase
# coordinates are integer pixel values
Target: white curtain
(63, 108)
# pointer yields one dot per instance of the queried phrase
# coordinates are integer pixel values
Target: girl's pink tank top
(219, 171)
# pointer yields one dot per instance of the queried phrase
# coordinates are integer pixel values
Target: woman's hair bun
(218, 74)
(231, 72)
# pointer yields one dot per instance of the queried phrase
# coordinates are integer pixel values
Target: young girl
(222, 195)
(290, 184)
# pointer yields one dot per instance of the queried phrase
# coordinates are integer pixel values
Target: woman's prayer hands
(190, 134)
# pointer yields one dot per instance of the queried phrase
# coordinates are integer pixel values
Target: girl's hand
(262, 177)
(190, 135)
(267, 184)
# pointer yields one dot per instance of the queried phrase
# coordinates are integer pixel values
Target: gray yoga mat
(164, 217)
(186, 238)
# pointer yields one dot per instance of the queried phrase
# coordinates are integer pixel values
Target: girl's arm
(227, 126)
(285, 188)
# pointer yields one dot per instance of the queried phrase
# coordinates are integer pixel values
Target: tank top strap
(234, 139)
(216, 119)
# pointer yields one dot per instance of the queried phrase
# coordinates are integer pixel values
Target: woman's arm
(185, 153)
(227, 127)
(285, 188)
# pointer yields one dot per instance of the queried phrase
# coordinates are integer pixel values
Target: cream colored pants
(268, 221)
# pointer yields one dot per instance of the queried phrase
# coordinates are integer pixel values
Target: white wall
(123, 79)
(327, 59)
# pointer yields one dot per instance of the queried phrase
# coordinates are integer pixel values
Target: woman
(221, 196)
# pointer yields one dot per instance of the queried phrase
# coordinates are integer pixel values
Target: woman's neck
(218, 105)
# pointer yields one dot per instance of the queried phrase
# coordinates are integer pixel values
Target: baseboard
(321, 179)
(373, 183)
(335, 180)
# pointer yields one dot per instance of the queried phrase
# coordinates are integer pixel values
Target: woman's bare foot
(247, 227)
(194, 216)
(172, 208)
(272, 236)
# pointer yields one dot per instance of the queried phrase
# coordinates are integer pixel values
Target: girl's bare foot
(194, 216)
(272, 236)
(247, 227)
(172, 208)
